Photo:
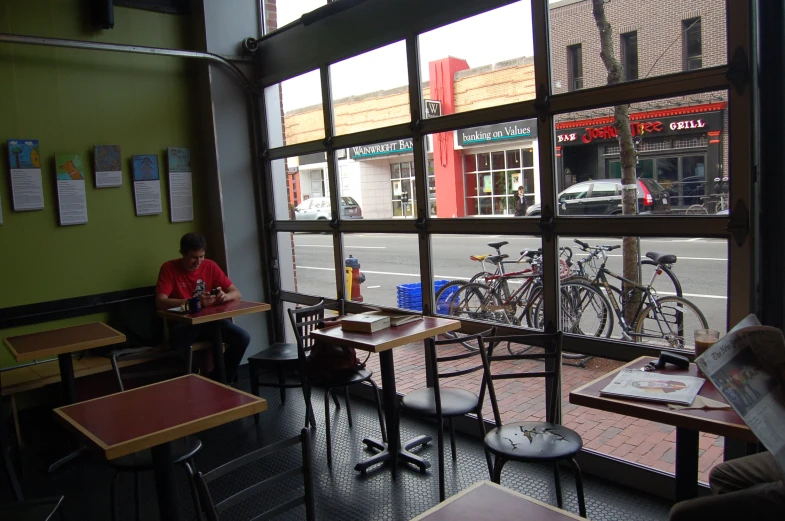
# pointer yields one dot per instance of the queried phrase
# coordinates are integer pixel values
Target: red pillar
(450, 197)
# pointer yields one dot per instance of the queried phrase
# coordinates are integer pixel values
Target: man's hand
(221, 297)
(207, 300)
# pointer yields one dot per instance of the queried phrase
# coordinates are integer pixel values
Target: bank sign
(388, 148)
(467, 137)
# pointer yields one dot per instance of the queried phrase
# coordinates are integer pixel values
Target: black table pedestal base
(404, 454)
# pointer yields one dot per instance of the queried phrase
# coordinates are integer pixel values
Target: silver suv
(319, 208)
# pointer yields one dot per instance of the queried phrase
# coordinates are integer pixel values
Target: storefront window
(498, 176)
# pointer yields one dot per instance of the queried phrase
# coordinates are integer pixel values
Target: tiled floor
(640, 441)
(341, 493)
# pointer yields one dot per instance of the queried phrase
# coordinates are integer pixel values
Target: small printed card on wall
(108, 169)
(147, 185)
(71, 196)
(181, 200)
(25, 164)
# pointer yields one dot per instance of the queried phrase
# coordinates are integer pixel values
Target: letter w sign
(433, 108)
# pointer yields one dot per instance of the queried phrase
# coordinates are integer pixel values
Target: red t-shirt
(175, 281)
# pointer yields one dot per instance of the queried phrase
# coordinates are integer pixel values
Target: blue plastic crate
(410, 295)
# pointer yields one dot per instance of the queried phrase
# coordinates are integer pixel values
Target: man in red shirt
(194, 276)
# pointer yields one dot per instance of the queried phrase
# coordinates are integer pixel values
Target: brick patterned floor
(631, 439)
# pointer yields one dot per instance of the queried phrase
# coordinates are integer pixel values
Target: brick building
(681, 142)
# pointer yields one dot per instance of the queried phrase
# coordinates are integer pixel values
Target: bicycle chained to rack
(717, 202)
(666, 321)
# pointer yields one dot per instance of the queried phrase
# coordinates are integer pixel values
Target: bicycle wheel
(671, 323)
(667, 283)
(584, 310)
(697, 209)
(480, 277)
(477, 302)
(442, 297)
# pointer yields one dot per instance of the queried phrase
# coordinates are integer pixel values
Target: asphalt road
(389, 260)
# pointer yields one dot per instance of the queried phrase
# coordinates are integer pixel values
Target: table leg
(67, 377)
(686, 463)
(163, 466)
(218, 354)
(69, 392)
(392, 451)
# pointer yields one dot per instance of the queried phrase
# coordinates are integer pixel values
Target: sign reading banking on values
(399, 146)
(491, 133)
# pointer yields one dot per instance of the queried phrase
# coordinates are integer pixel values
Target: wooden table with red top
(383, 342)
(234, 308)
(63, 342)
(689, 423)
(153, 416)
(487, 500)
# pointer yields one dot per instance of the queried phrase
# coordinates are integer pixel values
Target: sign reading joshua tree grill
(398, 146)
(525, 129)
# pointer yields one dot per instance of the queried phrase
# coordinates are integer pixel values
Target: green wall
(71, 100)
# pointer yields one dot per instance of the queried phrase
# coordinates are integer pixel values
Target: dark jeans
(236, 339)
(744, 488)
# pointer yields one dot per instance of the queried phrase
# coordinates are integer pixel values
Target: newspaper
(633, 383)
(747, 366)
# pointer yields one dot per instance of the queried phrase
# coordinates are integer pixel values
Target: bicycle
(715, 203)
(670, 319)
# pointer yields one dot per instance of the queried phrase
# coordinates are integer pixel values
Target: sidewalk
(631, 439)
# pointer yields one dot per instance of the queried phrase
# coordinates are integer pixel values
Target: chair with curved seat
(530, 442)
(305, 321)
(442, 403)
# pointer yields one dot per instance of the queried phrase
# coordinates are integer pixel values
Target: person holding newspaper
(745, 488)
(747, 367)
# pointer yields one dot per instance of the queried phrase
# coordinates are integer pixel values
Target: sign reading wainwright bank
(399, 146)
(524, 129)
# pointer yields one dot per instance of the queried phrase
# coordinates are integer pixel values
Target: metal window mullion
(545, 148)
(420, 172)
(332, 182)
(741, 161)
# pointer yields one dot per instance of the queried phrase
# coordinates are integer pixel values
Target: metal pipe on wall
(133, 49)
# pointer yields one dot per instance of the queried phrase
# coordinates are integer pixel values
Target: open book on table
(747, 366)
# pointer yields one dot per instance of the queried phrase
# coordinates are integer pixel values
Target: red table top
(62, 340)
(141, 418)
(387, 338)
(722, 422)
(486, 500)
(235, 308)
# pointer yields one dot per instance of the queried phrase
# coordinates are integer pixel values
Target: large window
(629, 55)
(575, 64)
(693, 44)
(436, 190)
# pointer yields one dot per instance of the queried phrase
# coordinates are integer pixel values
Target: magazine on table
(634, 383)
(747, 366)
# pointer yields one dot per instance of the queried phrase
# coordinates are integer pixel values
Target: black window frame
(690, 28)
(575, 61)
(629, 43)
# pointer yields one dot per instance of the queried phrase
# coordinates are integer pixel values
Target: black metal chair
(42, 509)
(277, 366)
(450, 402)
(7, 452)
(305, 321)
(213, 510)
(149, 355)
(533, 442)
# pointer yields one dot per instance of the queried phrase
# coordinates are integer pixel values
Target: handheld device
(215, 291)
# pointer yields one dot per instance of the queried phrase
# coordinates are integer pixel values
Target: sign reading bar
(433, 108)
(524, 129)
(398, 146)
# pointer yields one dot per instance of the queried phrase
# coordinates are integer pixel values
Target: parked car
(317, 208)
(603, 197)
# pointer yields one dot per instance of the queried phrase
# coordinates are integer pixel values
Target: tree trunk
(628, 159)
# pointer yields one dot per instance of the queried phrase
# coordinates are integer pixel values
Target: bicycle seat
(661, 258)
(496, 259)
(479, 257)
(497, 245)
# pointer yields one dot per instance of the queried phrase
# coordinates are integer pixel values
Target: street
(389, 260)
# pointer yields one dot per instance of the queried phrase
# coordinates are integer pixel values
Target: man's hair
(520, 188)
(192, 241)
